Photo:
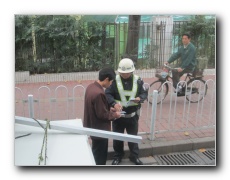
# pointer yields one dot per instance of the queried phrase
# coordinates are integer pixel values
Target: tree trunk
(133, 37)
(103, 41)
(34, 40)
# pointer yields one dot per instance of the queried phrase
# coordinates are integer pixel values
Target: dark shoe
(116, 161)
(136, 161)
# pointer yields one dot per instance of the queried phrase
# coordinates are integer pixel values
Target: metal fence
(171, 115)
(57, 104)
(107, 44)
(174, 114)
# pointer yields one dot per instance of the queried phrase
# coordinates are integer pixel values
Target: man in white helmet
(125, 94)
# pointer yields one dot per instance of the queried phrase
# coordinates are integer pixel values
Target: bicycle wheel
(157, 85)
(199, 90)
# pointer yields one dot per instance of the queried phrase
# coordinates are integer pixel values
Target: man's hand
(117, 115)
(112, 109)
(118, 107)
(179, 69)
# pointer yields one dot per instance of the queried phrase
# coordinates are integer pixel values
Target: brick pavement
(144, 122)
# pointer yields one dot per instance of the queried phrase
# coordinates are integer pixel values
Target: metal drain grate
(177, 159)
(210, 154)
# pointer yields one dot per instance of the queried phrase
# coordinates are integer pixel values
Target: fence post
(153, 118)
(146, 86)
(31, 105)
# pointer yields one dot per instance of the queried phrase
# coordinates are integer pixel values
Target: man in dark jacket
(187, 53)
(97, 113)
(126, 93)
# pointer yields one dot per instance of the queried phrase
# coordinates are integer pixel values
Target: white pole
(79, 130)
(153, 118)
(31, 105)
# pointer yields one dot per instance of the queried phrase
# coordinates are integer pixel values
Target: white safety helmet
(126, 66)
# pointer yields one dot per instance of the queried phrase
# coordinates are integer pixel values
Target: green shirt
(187, 55)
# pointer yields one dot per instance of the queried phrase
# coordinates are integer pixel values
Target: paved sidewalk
(150, 148)
(164, 142)
(187, 157)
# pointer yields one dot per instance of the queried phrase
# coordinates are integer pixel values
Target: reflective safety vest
(123, 93)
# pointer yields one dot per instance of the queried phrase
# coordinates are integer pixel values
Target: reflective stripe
(126, 104)
(129, 115)
(123, 93)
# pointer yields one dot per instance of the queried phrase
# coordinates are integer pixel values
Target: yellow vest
(123, 93)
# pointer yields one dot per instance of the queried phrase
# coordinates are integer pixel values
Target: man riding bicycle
(187, 53)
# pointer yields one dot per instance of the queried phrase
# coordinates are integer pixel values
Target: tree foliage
(66, 43)
(63, 44)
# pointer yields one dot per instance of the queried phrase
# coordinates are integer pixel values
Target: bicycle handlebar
(165, 65)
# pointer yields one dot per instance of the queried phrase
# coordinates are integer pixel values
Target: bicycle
(190, 85)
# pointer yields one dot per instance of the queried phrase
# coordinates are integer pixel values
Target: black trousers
(100, 150)
(176, 76)
(131, 127)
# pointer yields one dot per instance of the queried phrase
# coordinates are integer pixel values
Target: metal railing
(157, 40)
(180, 115)
(171, 115)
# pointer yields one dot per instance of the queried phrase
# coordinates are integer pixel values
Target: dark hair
(106, 73)
(186, 34)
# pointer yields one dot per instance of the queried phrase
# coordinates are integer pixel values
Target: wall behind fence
(25, 77)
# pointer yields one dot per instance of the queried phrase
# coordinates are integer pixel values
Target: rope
(39, 123)
(22, 136)
(44, 144)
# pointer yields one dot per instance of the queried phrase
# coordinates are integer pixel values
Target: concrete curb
(152, 148)
(25, 77)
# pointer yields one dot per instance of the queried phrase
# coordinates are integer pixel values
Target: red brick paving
(177, 121)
